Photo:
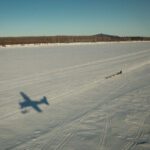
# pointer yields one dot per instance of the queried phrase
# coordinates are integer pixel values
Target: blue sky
(74, 17)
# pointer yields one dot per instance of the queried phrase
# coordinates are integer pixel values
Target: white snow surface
(86, 111)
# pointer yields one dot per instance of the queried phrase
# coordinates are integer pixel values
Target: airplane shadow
(28, 102)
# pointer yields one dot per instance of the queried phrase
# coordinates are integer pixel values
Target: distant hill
(105, 35)
(67, 39)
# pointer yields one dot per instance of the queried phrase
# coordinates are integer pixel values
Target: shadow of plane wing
(36, 108)
(26, 98)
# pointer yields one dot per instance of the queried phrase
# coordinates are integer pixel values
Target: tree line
(66, 39)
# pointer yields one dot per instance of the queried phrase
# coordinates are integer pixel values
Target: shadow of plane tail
(44, 100)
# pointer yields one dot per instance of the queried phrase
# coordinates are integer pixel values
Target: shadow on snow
(28, 102)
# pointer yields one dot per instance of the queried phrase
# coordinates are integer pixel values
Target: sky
(74, 17)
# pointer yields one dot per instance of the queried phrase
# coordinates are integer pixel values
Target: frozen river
(86, 111)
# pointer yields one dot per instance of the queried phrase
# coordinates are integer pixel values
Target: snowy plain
(86, 111)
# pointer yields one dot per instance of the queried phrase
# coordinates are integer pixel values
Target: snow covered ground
(86, 111)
